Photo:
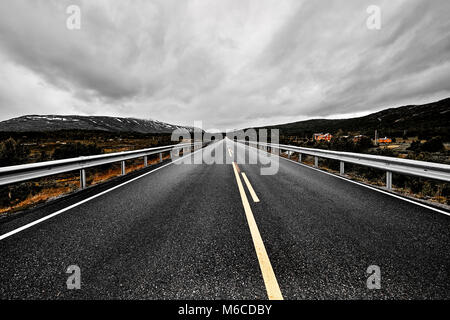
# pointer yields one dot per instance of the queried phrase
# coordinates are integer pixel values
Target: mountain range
(425, 120)
(49, 123)
(428, 120)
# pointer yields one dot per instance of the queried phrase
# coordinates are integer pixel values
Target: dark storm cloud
(230, 63)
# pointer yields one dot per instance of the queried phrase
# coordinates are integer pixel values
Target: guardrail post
(83, 179)
(145, 162)
(160, 157)
(122, 165)
(389, 180)
(342, 167)
(289, 154)
(316, 161)
(300, 157)
(174, 153)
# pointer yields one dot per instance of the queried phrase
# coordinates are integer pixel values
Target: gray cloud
(230, 63)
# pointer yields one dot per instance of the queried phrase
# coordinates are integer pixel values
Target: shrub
(428, 189)
(433, 145)
(12, 153)
(73, 150)
(415, 146)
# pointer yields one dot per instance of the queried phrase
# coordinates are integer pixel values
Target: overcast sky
(229, 63)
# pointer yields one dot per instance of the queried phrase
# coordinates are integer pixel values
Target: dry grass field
(25, 195)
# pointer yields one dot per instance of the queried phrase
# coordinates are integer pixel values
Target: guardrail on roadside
(20, 173)
(423, 169)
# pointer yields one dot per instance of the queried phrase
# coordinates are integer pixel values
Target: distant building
(322, 137)
(384, 140)
(316, 136)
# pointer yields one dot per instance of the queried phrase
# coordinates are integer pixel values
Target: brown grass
(43, 196)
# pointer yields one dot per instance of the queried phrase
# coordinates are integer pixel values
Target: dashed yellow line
(270, 280)
(250, 188)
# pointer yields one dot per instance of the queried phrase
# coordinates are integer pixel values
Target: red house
(322, 137)
(385, 140)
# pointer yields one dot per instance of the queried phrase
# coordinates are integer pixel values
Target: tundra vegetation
(30, 147)
(432, 149)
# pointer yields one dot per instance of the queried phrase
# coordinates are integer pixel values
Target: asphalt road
(181, 232)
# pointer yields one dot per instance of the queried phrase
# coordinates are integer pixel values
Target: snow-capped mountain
(40, 123)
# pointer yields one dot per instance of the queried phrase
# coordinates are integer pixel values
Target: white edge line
(29, 225)
(364, 185)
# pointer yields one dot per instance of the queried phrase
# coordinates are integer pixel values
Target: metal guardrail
(416, 168)
(20, 173)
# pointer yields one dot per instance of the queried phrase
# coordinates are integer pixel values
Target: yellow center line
(270, 280)
(250, 188)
